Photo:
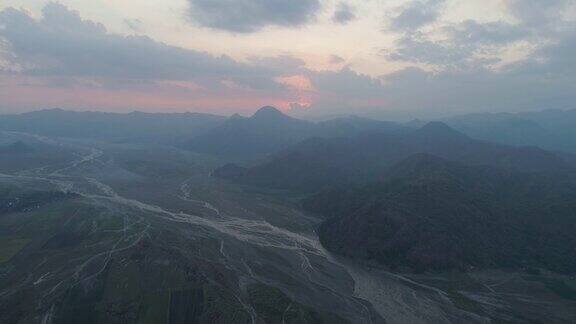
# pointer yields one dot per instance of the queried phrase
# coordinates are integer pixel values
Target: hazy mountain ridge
(432, 214)
(131, 127)
(431, 199)
(550, 129)
(264, 132)
(269, 131)
(323, 162)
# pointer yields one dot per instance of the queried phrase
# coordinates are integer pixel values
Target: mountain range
(431, 199)
(263, 132)
(549, 129)
(428, 213)
(269, 131)
(132, 127)
(266, 131)
(319, 163)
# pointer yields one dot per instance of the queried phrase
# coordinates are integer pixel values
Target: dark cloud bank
(245, 16)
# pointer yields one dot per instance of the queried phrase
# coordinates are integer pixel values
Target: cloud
(134, 24)
(471, 45)
(246, 16)
(464, 45)
(458, 67)
(491, 33)
(418, 48)
(343, 14)
(345, 83)
(62, 44)
(414, 92)
(484, 90)
(281, 63)
(416, 15)
(560, 58)
(537, 12)
(463, 78)
(555, 59)
(335, 59)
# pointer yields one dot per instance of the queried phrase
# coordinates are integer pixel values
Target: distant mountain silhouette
(324, 162)
(269, 131)
(549, 129)
(132, 127)
(264, 132)
(269, 114)
(428, 213)
(353, 125)
(438, 131)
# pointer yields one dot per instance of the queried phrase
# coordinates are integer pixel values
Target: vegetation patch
(273, 306)
(563, 287)
(9, 247)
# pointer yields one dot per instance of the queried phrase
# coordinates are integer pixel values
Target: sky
(394, 59)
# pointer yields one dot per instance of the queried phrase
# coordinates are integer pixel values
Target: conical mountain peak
(439, 130)
(267, 113)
